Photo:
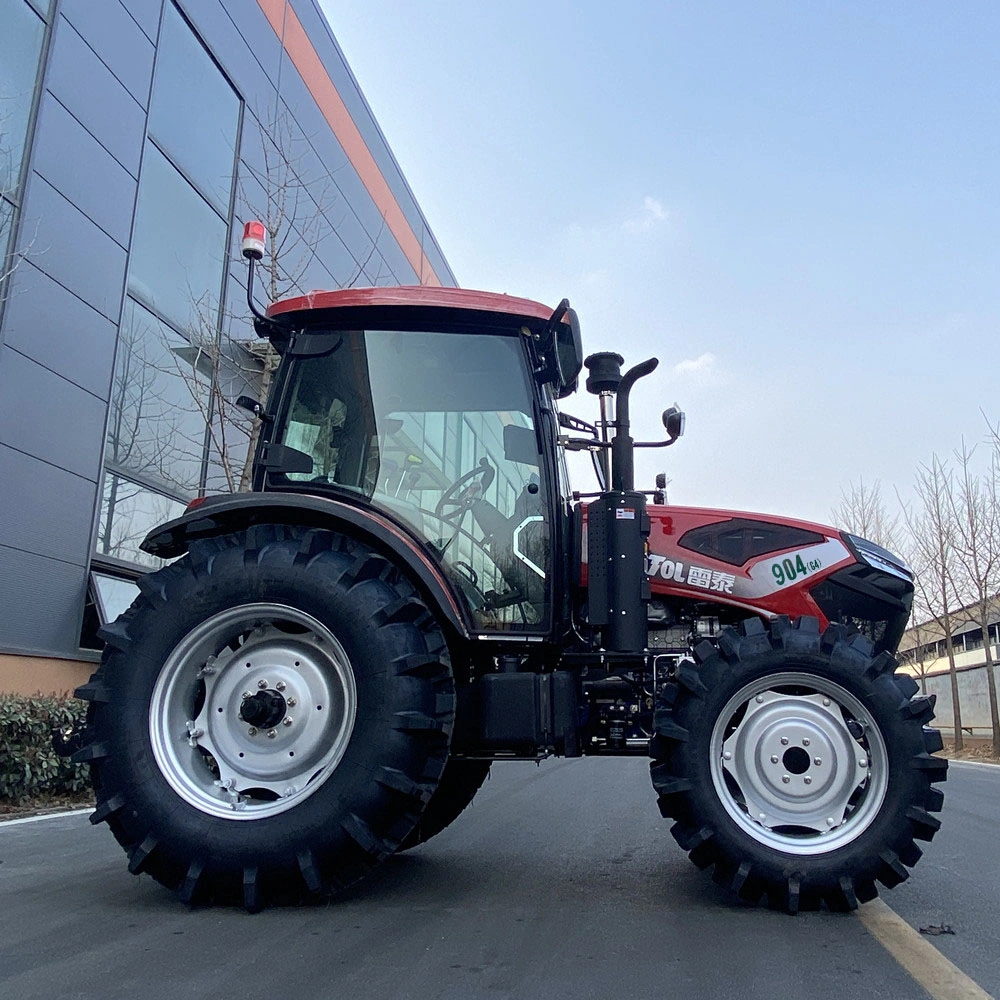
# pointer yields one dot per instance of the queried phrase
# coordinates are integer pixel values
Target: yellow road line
(940, 977)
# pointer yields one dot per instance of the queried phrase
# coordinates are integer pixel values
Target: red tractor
(325, 673)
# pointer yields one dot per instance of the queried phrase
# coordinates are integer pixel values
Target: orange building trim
(305, 59)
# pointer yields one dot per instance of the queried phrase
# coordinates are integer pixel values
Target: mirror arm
(582, 444)
(572, 423)
(655, 444)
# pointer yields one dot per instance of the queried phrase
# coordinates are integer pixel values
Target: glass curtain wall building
(136, 136)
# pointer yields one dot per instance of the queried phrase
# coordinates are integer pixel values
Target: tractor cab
(433, 407)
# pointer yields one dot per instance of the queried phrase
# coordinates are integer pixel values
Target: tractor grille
(877, 604)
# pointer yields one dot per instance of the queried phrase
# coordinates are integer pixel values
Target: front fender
(225, 514)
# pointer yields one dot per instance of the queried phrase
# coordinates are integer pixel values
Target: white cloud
(701, 365)
(651, 214)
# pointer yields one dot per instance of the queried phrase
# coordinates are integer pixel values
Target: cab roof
(418, 296)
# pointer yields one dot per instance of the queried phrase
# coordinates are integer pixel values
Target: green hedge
(29, 764)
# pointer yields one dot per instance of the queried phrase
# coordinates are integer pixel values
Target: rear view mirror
(563, 350)
(251, 405)
(673, 421)
(569, 353)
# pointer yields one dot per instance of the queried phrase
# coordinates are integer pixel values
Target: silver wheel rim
(243, 661)
(799, 763)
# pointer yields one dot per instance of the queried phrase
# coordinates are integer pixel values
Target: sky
(793, 205)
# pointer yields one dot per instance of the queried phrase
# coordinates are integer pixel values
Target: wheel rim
(764, 752)
(252, 711)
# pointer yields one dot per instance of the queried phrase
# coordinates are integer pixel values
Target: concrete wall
(973, 698)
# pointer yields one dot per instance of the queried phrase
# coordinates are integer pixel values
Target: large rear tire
(453, 795)
(797, 764)
(270, 717)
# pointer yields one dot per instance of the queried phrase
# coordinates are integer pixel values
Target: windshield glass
(437, 429)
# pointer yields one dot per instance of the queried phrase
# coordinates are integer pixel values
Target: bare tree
(915, 657)
(862, 511)
(292, 200)
(11, 147)
(930, 538)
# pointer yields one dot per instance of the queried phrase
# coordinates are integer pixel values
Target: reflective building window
(128, 513)
(159, 405)
(194, 113)
(21, 34)
(161, 412)
(178, 248)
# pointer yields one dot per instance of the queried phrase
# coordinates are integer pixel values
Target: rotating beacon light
(253, 249)
(253, 240)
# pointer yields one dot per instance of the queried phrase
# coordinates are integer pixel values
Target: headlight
(878, 557)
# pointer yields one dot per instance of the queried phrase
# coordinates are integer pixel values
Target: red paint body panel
(677, 572)
(415, 295)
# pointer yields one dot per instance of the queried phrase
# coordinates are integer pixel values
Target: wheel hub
(793, 762)
(263, 709)
(253, 711)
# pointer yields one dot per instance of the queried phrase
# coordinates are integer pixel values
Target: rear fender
(226, 514)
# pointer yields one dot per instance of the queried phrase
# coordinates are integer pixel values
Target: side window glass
(436, 429)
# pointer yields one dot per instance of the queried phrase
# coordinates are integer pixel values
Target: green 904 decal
(792, 568)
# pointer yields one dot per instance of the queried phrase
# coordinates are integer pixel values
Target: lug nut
(245, 695)
(286, 721)
(774, 758)
(830, 821)
(280, 685)
(784, 741)
(817, 761)
(826, 702)
(271, 733)
(862, 762)
(785, 779)
(807, 780)
(759, 698)
(291, 703)
(252, 731)
(805, 741)
(262, 684)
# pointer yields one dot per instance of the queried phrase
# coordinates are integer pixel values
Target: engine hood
(758, 561)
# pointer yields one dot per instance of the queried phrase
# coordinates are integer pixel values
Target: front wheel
(797, 765)
(270, 718)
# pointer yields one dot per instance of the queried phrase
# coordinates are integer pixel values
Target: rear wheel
(797, 764)
(270, 718)
(453, 795)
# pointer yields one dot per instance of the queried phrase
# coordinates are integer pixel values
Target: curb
(38, 819)
(974, 763)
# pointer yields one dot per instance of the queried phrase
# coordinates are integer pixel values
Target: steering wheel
(465, 491)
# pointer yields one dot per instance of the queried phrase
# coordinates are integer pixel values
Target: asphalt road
(560, 882)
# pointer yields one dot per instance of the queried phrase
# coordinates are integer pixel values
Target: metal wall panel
(117, 39)
(59, 330)
(72, 444)
(42, 602)
(44, 510)
(145, 13)
(66, 245)
(83, 171)
(93, 95)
